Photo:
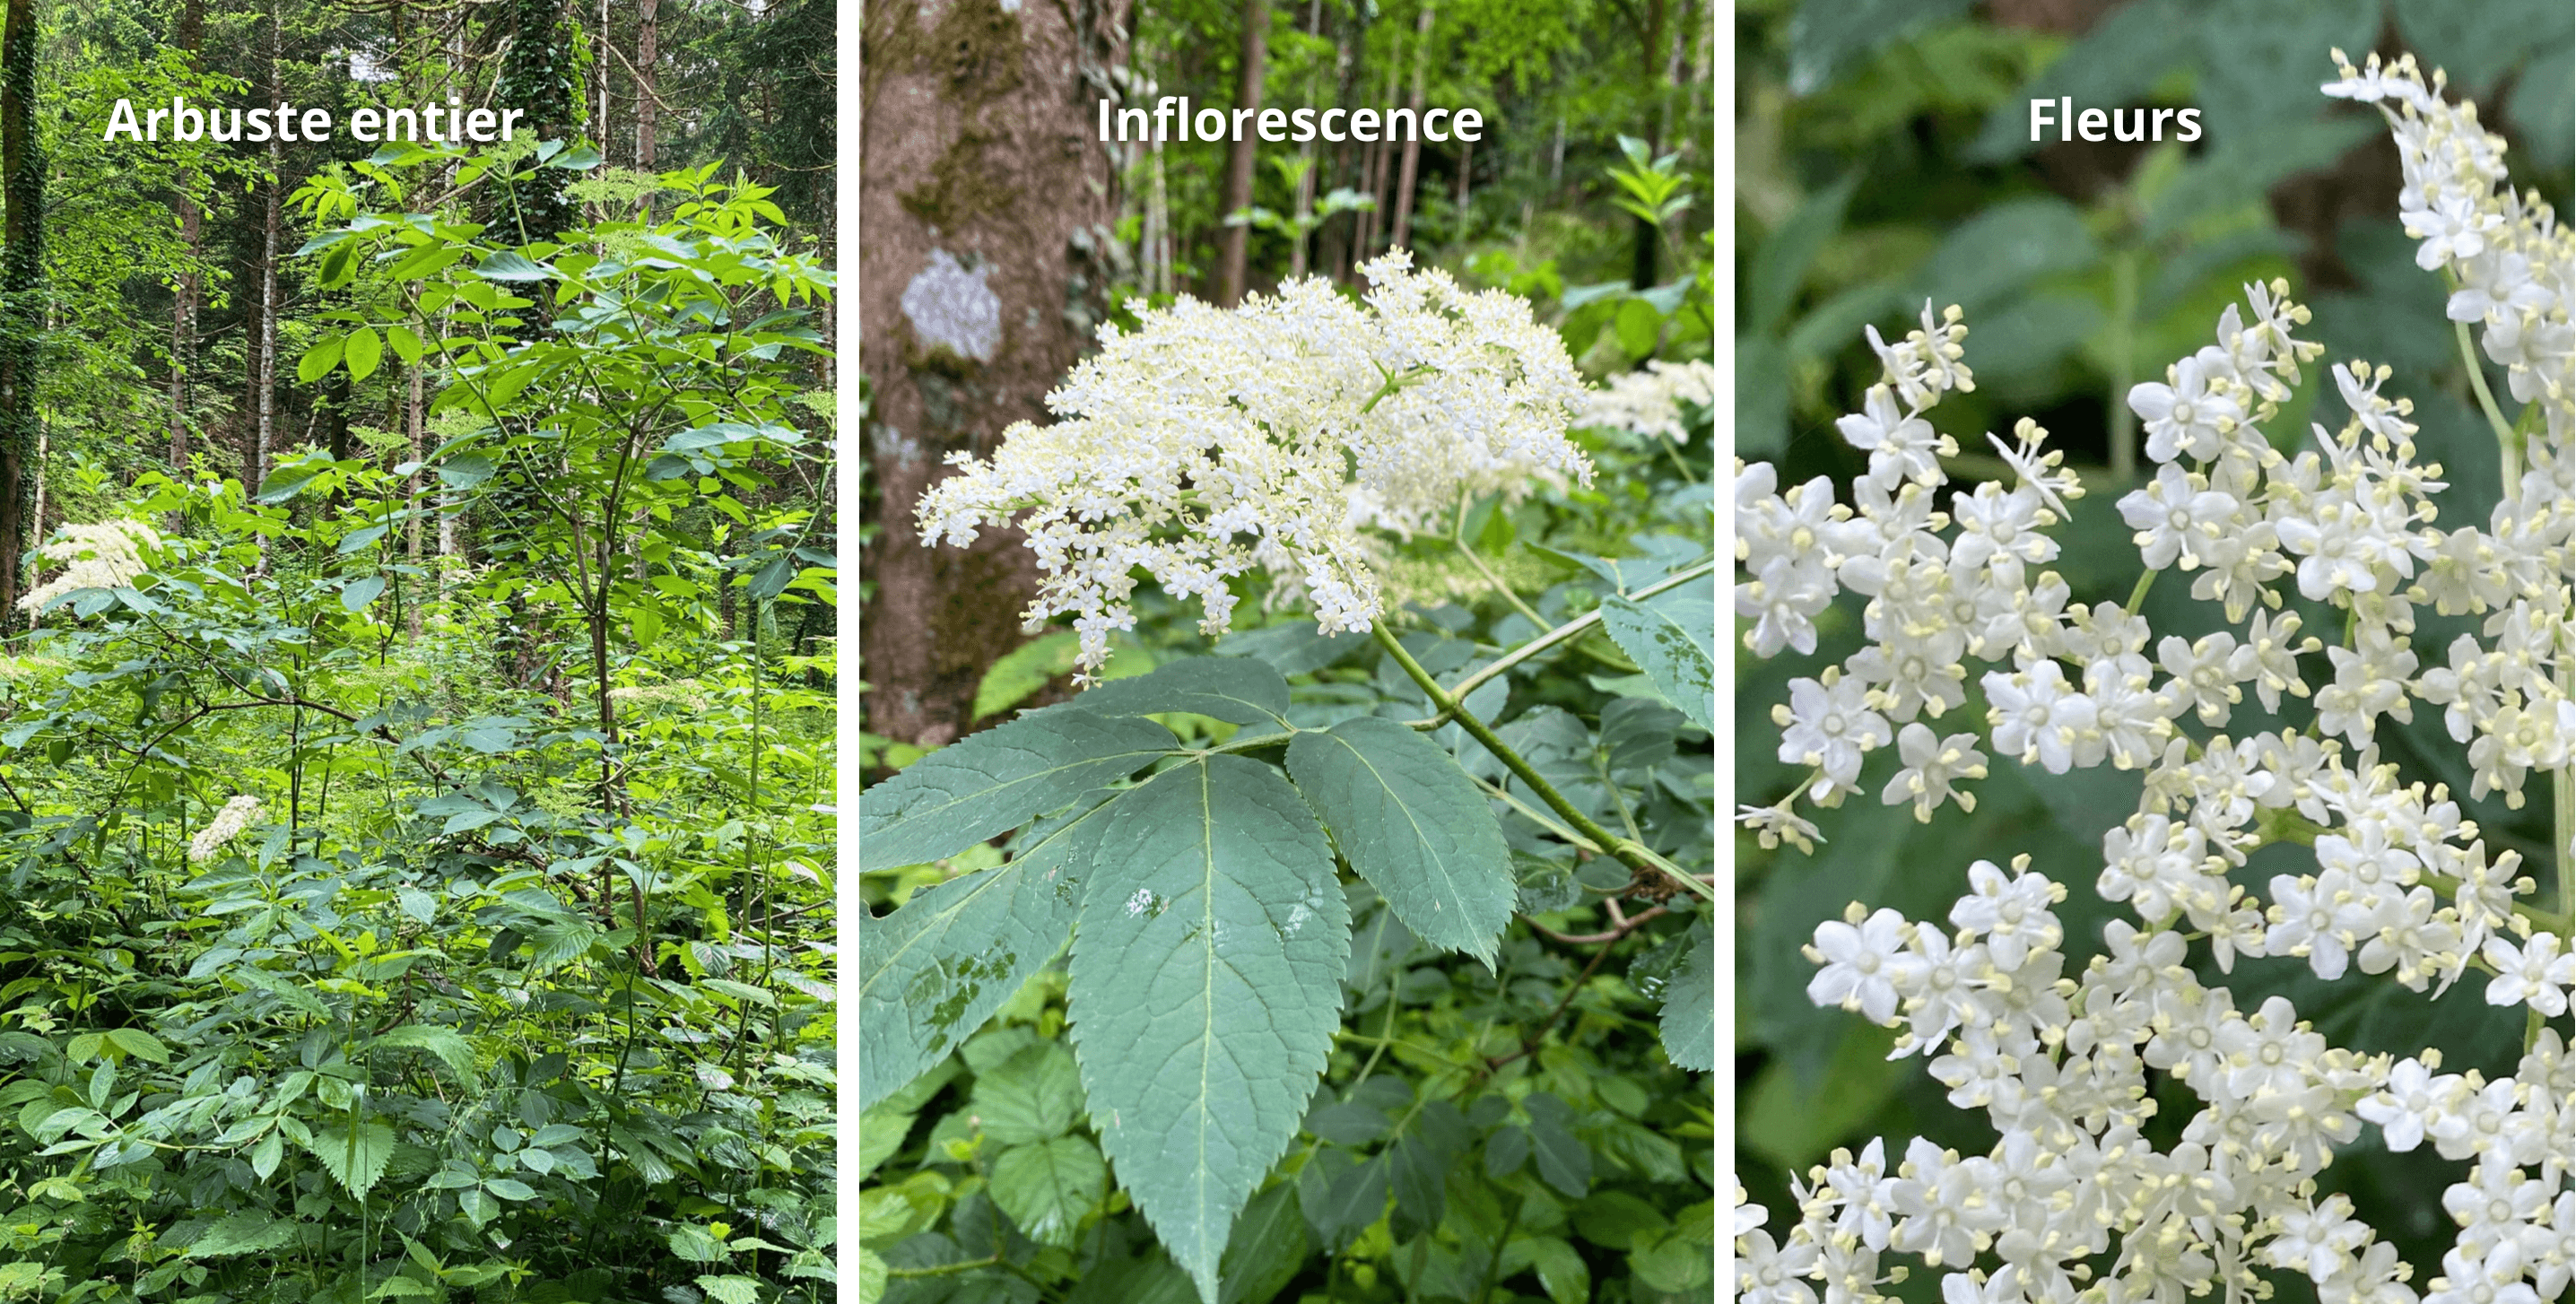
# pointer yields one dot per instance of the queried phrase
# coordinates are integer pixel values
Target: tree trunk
(183, 311)
(979, 174)
(264, 379)
(648, 80)
(1249, 73)
(1413, 139)
(22, 176)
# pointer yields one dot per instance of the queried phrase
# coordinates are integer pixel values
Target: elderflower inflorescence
(2402, 884)
(1210, 442)
(1648, 402)
(106, 555)
(227, 824)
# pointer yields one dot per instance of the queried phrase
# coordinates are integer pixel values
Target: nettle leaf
(1690, 1005)
(1237, 690)
(1414, 825)
(1047, 1188)
(1205, 992)
(355, 1156)
(995, 780)
(1672, 638)
(932, 972)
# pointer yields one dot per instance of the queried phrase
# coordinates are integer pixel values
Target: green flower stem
(2138, 594)
(2507, 438)
(1569, 630)
(1458, 536)
(1627, 851)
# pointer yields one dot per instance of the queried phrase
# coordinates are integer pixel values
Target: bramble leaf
(1048, 1187)
(1690, 1005)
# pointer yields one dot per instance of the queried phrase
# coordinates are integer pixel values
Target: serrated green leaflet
(356, 1156)
(1049, 1186)
(1672, 637)
(1205, 991)
(1414, 825)
(995, 780)
(1237, 690)
(1690, 1005)
(932, 972)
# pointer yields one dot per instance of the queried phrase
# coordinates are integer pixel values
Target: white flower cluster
(2059, 1064)
(227, 824)
(2402, 885)
(105, 555)
(1648, 403)
(1210, 442)
(2512, 267)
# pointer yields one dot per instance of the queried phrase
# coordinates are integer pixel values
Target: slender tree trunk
(22, 177)
(1372, 220)
(1249, 73)
(412, 432)
(1413, 139)
(183, 311)
(266, 368)
(648, 80)
(1466, 181)
(996, 261)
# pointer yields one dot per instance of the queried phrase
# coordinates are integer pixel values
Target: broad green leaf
(364, 350)
(1269, 1244)
(1205, 992)
(1672, 638)
(264, 1157)
(732, 1288)
(1994, 255)
(1414, 825)
(996, 780)
(1237, 690)
(507, 266)
(694, 1243)
(356, 1156)
(139, 1044)
(1826, 39)
(1780, 266)
(361, 592)
(318, 361)
(1024, 670)
(1690, 1005)
(932, 972)
(405, 342)
(1046, 1188)
(243, 1231)
(1034, 1096)
(1563, 1160)
(1561, 1271)
(446, 1043)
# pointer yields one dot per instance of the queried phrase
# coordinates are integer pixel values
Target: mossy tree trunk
(987, 207)
(22, 175)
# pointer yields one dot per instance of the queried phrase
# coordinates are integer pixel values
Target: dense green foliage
(416, 886)
(1315, 869)
(1886, 162)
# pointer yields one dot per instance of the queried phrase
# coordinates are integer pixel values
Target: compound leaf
(995, 780)
(1414, 825)
(1205, 991)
